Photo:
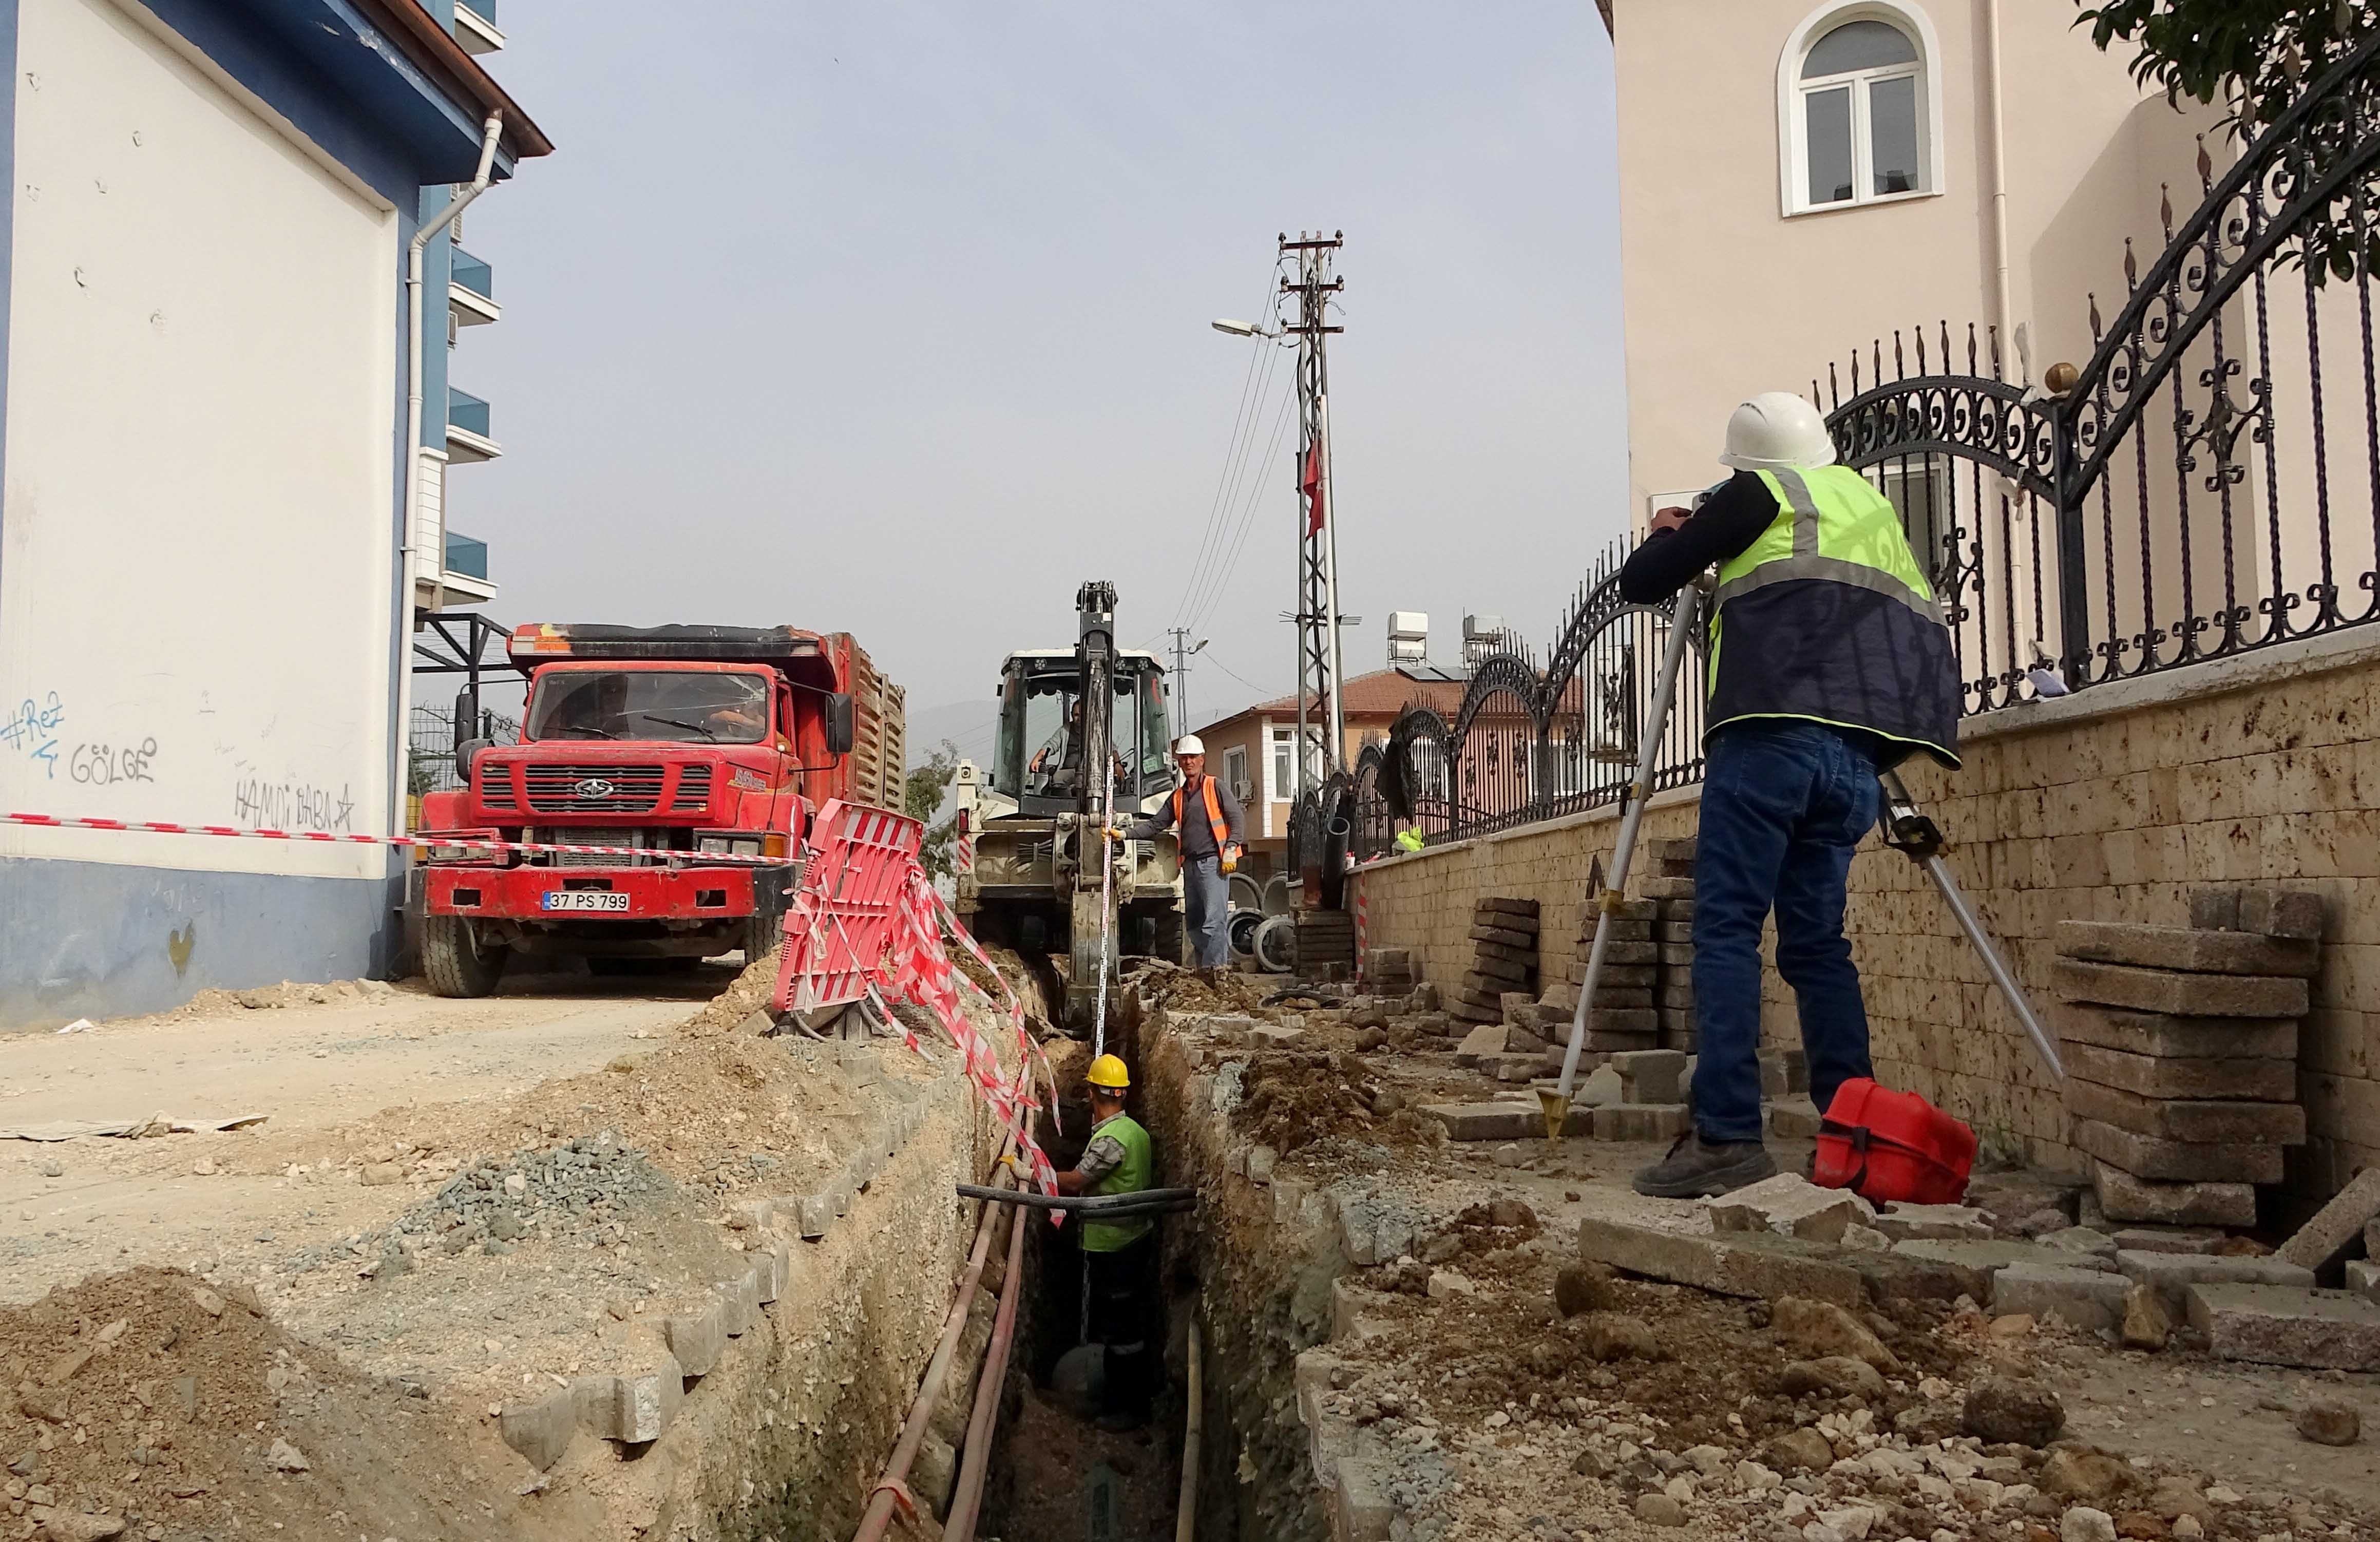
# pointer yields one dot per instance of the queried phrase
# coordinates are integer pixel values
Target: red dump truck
(678, 739)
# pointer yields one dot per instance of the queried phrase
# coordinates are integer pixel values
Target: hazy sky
(892, 317)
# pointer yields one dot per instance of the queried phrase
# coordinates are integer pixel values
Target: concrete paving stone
(1623, 997)
(1519, 1007)
(1621, 1020)
(739, 1301)
(1521, 1041)
(2174, 1160)
(2123, 1197)
(816, 1213)
(1740, 1264)
(1675, 910)
(752, 1215)
(1507, 1121)
(2363, 1278)
(2264, 1081)
(1635, 953)
(1490, 958)
(1677, 955)
(2186, 948)
(2171, 1274)
(647, 1400)
(1517, 1068)
(542, 1430)
(774, 1266)
(1507, 904)
(1275, 1036)
(1783, 1073)
(2337, 1223)
(2087, 1298)
(1675, 933)
(2198, 1120)
(1485, 1039)
(1641, 1122)
(847, 1194)
(2165, 991)
(1676, 995)
(2167, 1239)
(1794, 1118)
(1650, 1075)
(1361, 1510)
(1933, 1222)
(2282, 1325)
(1790, 1206)
(1663, 888)
(2281, 912)
(1978, 1261)
(2171, 1035)
(697, 1338)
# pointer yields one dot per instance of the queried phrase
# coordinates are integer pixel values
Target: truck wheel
(454, 963)
(762, 936)
(1172, 936)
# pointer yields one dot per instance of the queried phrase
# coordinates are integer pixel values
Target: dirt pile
(147, 1402)
(1292, 1099)
(748, 994)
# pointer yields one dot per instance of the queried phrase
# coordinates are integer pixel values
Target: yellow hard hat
(1108, 1071)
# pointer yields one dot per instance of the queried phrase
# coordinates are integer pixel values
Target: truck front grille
(593, 789)
(571, 835)
(693, 793)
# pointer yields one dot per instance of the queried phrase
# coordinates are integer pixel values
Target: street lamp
(1241, 329)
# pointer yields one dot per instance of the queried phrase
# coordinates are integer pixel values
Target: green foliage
(2247, 55)
(2253, 58)
(921, 798)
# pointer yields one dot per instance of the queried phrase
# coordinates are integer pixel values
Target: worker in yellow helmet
(1121, 1254)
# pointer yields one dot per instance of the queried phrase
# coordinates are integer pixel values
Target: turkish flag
(1310, 483)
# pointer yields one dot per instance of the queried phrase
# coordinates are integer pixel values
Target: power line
(1247, 517)
(1216, 515)
(1206, 578)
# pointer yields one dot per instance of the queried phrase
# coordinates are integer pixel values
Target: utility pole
(1322, 719)
(1183, 653)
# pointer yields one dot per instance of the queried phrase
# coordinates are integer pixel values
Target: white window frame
(1792, 121)
(1236, 769)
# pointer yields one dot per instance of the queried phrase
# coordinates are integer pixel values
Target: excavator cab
(1084, 736)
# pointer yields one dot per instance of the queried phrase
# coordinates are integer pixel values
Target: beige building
(1795, 183)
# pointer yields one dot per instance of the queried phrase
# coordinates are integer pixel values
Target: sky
(892, 318)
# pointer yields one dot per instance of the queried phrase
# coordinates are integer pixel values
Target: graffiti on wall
(290, 805)
(103, 765)
(31, 730)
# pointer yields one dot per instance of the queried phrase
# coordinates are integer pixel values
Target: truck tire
(762, 936)
(1172, 939)
(456, 965)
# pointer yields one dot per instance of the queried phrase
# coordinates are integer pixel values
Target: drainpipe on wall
(409, 553)
(2003, 292)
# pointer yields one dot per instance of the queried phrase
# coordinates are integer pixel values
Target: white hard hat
(1189, 744)
(1776, 430)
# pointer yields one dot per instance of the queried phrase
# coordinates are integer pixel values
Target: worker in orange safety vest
(1210, 850)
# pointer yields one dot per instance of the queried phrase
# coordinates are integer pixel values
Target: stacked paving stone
(1670, 887)
(1504, 961)
(2182, 1052)
(1390, 971)
(1620, 1016)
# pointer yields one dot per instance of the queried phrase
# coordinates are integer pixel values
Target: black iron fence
(432, 746)
(2207, 483)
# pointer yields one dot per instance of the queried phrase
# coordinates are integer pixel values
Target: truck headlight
(728, 845)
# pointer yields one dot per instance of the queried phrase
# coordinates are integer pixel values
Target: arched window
(1858, 118)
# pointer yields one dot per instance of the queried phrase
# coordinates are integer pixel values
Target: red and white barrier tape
(425, 843)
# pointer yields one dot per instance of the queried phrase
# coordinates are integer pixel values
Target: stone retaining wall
(2110, 804)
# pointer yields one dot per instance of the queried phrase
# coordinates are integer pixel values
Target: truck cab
(686, 744)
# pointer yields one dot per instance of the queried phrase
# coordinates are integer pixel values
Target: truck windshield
(1040, 752)
(674, 706)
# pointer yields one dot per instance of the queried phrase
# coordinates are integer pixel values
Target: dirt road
(309, 1065)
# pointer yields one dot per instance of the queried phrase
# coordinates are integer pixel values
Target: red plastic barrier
(840, 919)
(1883, 1145)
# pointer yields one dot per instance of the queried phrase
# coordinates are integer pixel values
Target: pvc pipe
(966, 1496)
(882, 1499)
(1094, 1204)
(409, 553)
(1185, 1503)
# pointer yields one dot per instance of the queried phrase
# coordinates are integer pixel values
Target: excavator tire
(454, 965)
(1172, 943)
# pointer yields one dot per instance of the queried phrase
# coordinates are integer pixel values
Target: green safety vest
(1828, 617)
(1131, 1175)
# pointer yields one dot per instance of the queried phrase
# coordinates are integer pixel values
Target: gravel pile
(581, 1193)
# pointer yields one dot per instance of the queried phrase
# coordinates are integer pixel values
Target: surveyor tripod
(1903, 826)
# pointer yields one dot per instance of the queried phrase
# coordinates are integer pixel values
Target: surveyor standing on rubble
(1210, 849)
(1829, 663)
(1122, 1254)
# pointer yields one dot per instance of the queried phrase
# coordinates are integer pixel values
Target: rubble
(2337, 1223)
(2283, 1325)
(1790, 1206)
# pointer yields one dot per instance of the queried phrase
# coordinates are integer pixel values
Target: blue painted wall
(89, 940)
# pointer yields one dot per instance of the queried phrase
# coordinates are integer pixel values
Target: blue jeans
(1784, 805)
(1207, 903)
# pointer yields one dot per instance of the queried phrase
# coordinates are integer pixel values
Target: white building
(203, 541)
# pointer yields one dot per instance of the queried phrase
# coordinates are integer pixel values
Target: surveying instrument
(1904, 827)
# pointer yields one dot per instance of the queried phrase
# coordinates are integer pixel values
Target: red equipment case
(1884, 1145)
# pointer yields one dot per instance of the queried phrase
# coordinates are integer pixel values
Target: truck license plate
(577, 899)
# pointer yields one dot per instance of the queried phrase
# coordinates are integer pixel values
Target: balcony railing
(473, 274)
(466, 556)
(467, 412)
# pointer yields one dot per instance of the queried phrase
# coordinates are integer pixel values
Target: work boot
(1695, 1168)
